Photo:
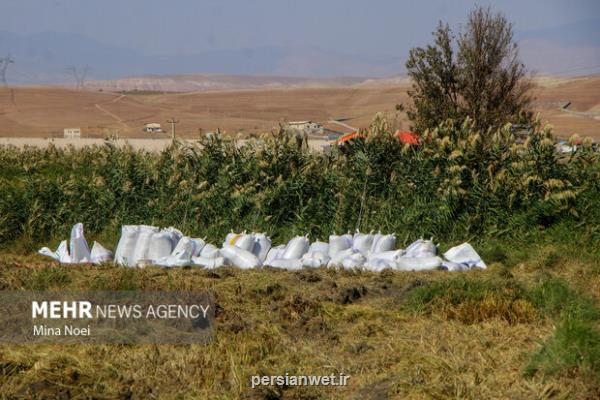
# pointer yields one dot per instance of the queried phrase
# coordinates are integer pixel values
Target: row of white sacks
(142, 245)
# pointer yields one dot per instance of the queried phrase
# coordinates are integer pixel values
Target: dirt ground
(43, 112)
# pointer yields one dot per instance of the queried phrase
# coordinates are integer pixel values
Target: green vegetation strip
(460, 184)
(575, 344)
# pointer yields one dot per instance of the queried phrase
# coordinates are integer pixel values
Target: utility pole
(173, 122)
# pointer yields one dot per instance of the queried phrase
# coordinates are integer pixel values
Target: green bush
(453, 187)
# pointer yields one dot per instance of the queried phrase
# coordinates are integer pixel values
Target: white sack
(421, 248)
(209, 263)
(143, 242)
(210, 251)
(315, 259)
(338, 244)
(362, 243)
(229, 237)
(382, 243)
(198, 246)
(126, 246)
(452, 266)
(182, 253)
(465, 254)
(274, 254)
(338, 258)
(318, 247)
(45, 251)
(418, 263)
(100, 254)
(79, 249)
(176, 235)
(296, 248)
(289, 264)
(239, 257)
(262, 245)
(379, 264)
(62, 253)
(242, 240)
(391, 255)
(161, 244)
(355, 260)
(245, 242)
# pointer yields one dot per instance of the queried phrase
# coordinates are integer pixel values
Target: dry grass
(309, 322)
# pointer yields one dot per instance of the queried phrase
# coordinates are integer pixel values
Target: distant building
(308, 127)
(71, 133)
(152, 127)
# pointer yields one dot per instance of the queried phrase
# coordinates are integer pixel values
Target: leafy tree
(476, 74)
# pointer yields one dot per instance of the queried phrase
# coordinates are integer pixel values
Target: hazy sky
(190, 26)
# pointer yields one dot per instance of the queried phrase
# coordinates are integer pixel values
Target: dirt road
(146, 144)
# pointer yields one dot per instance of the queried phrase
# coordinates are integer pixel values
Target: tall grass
(455, 186)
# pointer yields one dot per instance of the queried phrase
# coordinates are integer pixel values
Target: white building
(152, 127)
(71, 133)
(308, 127)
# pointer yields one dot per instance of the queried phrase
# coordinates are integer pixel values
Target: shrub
(451, 187)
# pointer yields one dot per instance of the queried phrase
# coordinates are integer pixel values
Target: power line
(4, 62)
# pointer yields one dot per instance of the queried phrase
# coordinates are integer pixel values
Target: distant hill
(570, 49)
(43, 58)
(209, 82)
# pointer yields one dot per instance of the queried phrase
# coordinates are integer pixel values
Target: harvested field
(46, 111)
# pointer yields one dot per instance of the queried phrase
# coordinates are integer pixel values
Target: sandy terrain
(43, 112)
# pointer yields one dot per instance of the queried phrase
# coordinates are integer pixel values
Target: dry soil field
(30, 112)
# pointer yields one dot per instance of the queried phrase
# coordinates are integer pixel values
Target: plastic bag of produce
(186, 248)
(339, 243)
(465, 254)
(362, 242)
(296, 248)
(239, 257)
(379, 264)
(143, 243)
(382, 243)
(126, 245)
(315, 259)
(262, 245)
(61, 254)
(45, 251)
(356, 260)
(161, 244)
(289, 264)
(176, 235)
(182, 253)
(405, 263)
(198, 246)
(209, 263)
(79, 249)
(338, 258)
(274, 254)
(243, 241)
(210, 251)
(319, 247)
(453, 267)
(386, 255)
(100, 254)
(421, 248)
